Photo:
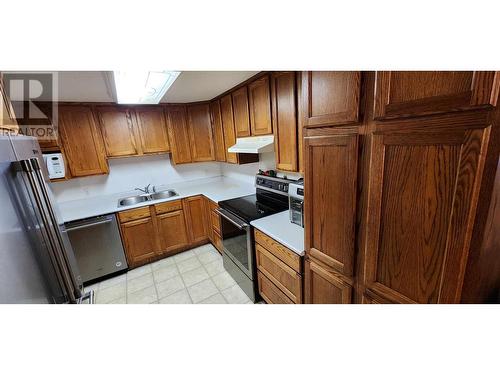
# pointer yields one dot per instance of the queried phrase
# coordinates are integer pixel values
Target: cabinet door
(178, 134)
(259, 101)
(285, 121)
(7, 116)
(200, 132)
(140, 240)
(152, 130)
(330, 199)
(226, 108)
(118, 131)
(215, 113)
(325, 287)
(330, 98)
(172, 231)
(82, 142)
(241, 115)
(406, 94)
(422, 196)
(196, 219)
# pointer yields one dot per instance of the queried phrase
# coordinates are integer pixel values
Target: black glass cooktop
(255, 206)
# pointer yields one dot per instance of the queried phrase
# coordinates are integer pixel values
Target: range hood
(253, 145)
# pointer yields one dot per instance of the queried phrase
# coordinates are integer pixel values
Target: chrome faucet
(146, 189)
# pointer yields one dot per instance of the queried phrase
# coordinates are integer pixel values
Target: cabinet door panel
(422, 197)
(220, 152)
(196, 218)
(152, 130)
(325, 287)
(140, 240)
(330, 98)
(178, 134)
(285, 121)
(172, 231)
(241, 113)
(83, 146)
(406, 94)
(259, 101)
(200, 132)
(118, 131)
(330, 199)
(226, 107)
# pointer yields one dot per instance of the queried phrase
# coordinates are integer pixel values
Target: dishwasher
(97, 246)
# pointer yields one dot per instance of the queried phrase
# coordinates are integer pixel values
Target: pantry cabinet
(330, 98)
(259, 101)
(241, 112)
(152, 130)
(196, 219)
(284, 115)
(118, 130)
(179, 134)
(218, 131)
(82, 142)
(407, 94)
(200, 132)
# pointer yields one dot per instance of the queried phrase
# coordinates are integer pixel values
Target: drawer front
(215, 218)
(270, 292)
(162, 208)
(278, 250)
(284, 277)
(137, 213)
(212, 205)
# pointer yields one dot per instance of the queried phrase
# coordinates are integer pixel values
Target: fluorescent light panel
(142, 87)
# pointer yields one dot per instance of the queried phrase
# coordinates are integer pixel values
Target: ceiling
(190, 86)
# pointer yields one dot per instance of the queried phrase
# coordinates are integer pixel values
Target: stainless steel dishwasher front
(97, 246)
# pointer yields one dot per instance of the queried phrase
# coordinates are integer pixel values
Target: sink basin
(163, 194)
(130, 201)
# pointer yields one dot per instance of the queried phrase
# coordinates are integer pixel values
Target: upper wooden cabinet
(152, 129)
(241, 114)
(226, 108)
(406, 94)
(330, 98)
(196, 219)
(259, 102)
(200, 132)
(82, 142)
(7, 116)
(179, 134)
(285, 120)
(118, 130)
(330, 199)
(219, 146)
(423, 190)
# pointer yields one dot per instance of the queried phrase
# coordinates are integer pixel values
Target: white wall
(128, 173)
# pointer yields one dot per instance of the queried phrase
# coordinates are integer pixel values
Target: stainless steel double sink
(136, 199)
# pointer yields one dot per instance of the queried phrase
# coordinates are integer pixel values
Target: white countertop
(279, 227)
(215, 188)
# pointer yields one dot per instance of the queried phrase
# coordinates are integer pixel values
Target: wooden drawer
(212, 205)
(284, 277)
(215, 218)
(270, 292)
(278, 250)
(170, 206)
(136, 213)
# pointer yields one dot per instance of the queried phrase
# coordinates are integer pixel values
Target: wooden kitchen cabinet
(214, 230)
(172, 232)
(226, 107)
(118, 130)
(200, 132)
(196, 219)
(140, 240)
(284, 114)
(330, 198)
(324, 286)
(422, 198)
(152, 129)
(408, 94)
(218, 131)
(82, 142)
(259, 102)
(241, 112)
(7, 116)
(179, 134)
(330, 98)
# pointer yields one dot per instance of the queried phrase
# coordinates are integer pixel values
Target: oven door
(237, 242)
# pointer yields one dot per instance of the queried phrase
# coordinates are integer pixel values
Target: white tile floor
(193, 276)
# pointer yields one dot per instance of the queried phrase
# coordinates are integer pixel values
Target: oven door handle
(241, 226)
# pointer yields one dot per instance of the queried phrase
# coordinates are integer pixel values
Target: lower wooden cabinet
(214, 232)
(197, 219)
(172, 232)
(270, 292)
(140, 240)
(324, 286)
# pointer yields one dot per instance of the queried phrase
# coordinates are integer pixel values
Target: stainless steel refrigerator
(37, 264)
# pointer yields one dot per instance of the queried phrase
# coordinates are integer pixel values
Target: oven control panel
(275, 184)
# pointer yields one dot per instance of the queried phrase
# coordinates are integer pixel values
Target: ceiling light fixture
(142, 87)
